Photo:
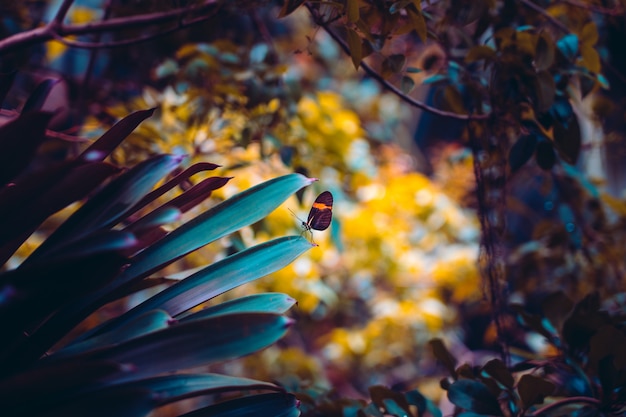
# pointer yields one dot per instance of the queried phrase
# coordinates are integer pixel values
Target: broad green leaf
(258, 303)
(224, 275)
(196, 343)
(532, 390)
(473, 396)
(139, 326)
(354, 43)
(443, 355)
(231, 215)
(261, 405)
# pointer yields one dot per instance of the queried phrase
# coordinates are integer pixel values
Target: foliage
(109, 248)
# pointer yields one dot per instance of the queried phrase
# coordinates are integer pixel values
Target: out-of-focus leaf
(443, 355)
(609, 342)
(568, 46)
(498, 371)
(6, 81)
(473, 396)
(108, 206)
(222, 276)
(556, 307)
(19, 139)
(103, 147)
(454, 100)
(532, 390)
(589, 34)
(544, 52)
(545, 156)
(262, 405)
(407, 84)
(108, 240)
(38, 97)
(399, 5)
(413, 70)
(258, 303)
(546, 89)
(198, 193)
(522, 151)
(590, 58)
(418, 22)
(396, 62)
(352, 10)
(423, 404)
(382, 396)
(146, 323)
(479, 52)
(196, 343)
(177, 180)
(567, 139)
(217, 222)
(354, 43)
(289, 6)
(434, 78)
(603, 81)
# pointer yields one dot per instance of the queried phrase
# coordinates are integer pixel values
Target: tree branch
(610, 11)
(61, 13)
(55, 30)
(386, 84)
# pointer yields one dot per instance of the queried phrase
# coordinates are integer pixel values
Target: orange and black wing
(321, 213)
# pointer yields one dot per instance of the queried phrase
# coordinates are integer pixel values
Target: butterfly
(321, 213)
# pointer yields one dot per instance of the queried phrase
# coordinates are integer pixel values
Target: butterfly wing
(321, 213)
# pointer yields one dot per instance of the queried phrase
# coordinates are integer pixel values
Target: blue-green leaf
(171, 388)
(222, 276)
(473, 396)
(196, 343)
(141, 325)
(258, 303)
(262, 405)
(238, 211)
(568, 45)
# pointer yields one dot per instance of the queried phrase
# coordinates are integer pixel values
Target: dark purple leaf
(521, 151)
(37, 99)
(198, 193)
(545, 155)
(532, 390)
(19, 139)
(6, 81)
(103, 147)
(177, 180)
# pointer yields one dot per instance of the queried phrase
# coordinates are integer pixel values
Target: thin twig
(386, 84)
(545, 14)
(610, 11)
(50, 32)
(565, 401)
(61, 13)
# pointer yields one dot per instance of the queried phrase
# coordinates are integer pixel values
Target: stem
(386, 84)
(56, 31)
(563, 402)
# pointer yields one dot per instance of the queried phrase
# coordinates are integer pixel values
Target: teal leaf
(434, 78)
(172, 388)
(473, 396)
(222, 276)
(144, 324)
(257, 303)
(568, 45)
(195, 343)
(262, 405)
(238, 211)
